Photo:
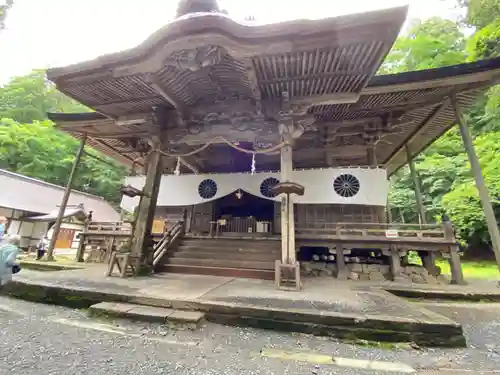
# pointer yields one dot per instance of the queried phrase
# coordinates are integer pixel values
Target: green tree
(430, 44)
(443, 168)
(480, 13)
(30, 145)
(39, 150)
(485, 43)
(28, 98)
(462, 201)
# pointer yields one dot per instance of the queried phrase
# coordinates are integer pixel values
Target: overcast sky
(49, 33)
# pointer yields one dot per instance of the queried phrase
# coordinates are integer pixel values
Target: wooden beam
(407, 108)
(141, 240)
(416, 185)
(165, 93)
(417, 131)
(326, 75)
(113, 151)
(329, 99)
(487, 77)
(122, 101)
(253, 81)
(65, 199)
(189, 166)
(117, 135)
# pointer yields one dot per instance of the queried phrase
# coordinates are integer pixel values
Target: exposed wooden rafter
(329, 99)
(165, 93)
(253, 82)
(188, 165)
(430, 119)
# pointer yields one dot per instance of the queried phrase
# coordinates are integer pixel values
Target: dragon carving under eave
(197, 58)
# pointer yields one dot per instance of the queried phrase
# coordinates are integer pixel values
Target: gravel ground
(41, 339)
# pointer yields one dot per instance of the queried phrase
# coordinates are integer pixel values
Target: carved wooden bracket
(196, 58)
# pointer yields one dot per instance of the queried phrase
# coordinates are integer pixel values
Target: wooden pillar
(428, 257)
(370, 156)
(287, 209)
(64, 202)
(416, 186)
(457, 276)
(81, 245)
(9, 221)
(142, 240)
(480, 184)
(340, 260)
(395, 264)
(389, 213)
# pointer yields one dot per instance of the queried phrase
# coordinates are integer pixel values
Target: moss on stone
(380, 344)
(44, 266)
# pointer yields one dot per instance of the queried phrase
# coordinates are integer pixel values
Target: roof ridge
(38, 181)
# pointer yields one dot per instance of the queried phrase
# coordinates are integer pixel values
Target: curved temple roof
(210, 75)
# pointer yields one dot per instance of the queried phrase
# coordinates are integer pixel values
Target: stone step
(225, 250)
(219, 271)
(147, 313)
(226, 263)
(233, 244)
(203, 254)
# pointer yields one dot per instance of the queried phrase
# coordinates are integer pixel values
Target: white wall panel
(318, 183)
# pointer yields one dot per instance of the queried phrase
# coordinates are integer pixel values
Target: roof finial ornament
(197, 6)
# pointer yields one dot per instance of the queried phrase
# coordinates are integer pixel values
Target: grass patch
(58, 259)
(46, 266)
(484, 270)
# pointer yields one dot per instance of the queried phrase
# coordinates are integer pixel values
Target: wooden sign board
(158, 226)
(391, 233)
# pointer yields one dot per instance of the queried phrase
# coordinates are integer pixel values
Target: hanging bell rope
(253, 163)
(229, 143)
(177, 171)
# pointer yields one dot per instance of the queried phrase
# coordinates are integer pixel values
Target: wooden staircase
(235, 257)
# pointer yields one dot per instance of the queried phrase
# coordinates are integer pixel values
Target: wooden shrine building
(219, 118)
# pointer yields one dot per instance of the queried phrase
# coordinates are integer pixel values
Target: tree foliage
(485, 43)
(28, 98)
(480, 13)
(443, 169)
(429, 44)
(30, 145)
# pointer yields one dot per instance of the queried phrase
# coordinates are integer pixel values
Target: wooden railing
(381, 232)
(102, 227)
(239, 225)
(170, 237)
(100, 238)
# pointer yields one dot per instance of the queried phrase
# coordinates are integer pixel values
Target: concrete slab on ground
(323, 307)
(183, 316)
(127, 310)
(146, 313)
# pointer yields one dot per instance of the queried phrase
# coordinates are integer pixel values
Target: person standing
(2, 227)
(9, 249)
(41, 247)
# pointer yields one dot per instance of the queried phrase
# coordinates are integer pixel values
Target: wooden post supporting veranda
(416, 186)
(428, 257)
(64, 202)
(142, 242)
(287, 209)
(388, 210)
(484, 195)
